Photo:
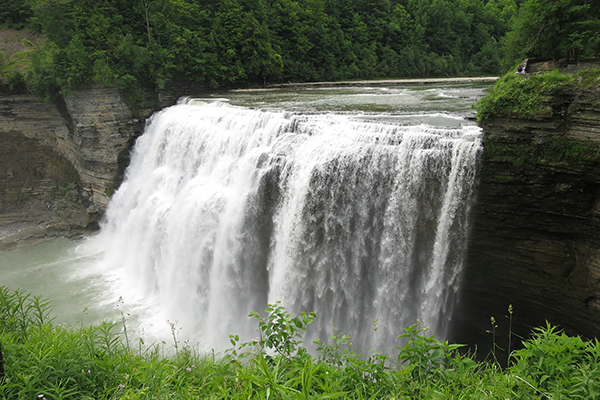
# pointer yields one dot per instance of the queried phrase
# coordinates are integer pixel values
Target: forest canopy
(142, 43)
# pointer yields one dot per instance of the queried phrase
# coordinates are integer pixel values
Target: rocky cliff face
(37, 184)
(101, 131)
(535, 240)
(59, 162)
(73, 152)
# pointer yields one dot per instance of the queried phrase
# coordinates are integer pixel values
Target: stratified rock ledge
(535, 239)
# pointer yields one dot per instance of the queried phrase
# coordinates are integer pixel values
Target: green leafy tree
(555, 28)
(15, 13)
(259, 57)
(74, 63)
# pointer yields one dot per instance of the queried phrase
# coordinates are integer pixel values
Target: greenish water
(57, 270)
(70, 274)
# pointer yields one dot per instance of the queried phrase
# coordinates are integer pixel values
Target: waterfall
(225, 209)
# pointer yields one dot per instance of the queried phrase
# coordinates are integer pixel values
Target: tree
(148, 42)
(259, 57)
(14, 13)
(557, 28)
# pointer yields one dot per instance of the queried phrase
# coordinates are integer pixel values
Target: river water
(264, 200)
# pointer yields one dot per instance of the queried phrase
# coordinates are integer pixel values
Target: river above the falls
(84, 289)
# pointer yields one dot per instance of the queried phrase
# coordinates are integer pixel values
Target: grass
(43, 360)
(520, 95)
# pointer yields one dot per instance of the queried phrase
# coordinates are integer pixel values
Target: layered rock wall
(37, 183)
(535, 240)
(101, 132)
(72, 151)
(76, 147)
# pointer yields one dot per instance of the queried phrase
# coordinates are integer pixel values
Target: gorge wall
(37, 183)
(535, 239)
(59, 162)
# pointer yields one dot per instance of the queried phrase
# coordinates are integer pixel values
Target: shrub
(558, 365)
(519, 95)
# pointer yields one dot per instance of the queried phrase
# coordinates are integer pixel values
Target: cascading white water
(225, 209)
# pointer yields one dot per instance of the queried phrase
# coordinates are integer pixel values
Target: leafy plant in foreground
(424, 355)
(280, 332)
(560, 365)
(96, 362)
(19, 310)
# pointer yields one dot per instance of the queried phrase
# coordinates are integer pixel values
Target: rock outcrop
(101, 132)
(38, 185)
(76, 148)
(535, 240)
(59, 162)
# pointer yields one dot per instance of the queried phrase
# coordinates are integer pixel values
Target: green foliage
(237, 41)
(424, 356)
(279, 332)
(588, 78)
(44, 360)
(14, 13)
(558, 365)
(519, 95)
(42, 77)
(16, 81)
(19, 310)
(132, 93)
(255, 41)
(555, 28)
(15, 61)
(337, 352)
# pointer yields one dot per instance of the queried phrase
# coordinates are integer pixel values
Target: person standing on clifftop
(520, 70)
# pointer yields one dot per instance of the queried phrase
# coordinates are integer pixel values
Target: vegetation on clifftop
(144, 43)
(557, 28)
(554, 28)
(519, 95)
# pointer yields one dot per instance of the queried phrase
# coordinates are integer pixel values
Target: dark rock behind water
(39, 195)
(535, 239)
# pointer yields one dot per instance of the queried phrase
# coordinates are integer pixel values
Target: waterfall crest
(225, 209)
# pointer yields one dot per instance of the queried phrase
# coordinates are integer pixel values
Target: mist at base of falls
(356, 215)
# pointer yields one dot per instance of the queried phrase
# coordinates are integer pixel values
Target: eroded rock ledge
(535, 240)
(59, 162)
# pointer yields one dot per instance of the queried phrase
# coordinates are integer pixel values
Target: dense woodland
(143, 43)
